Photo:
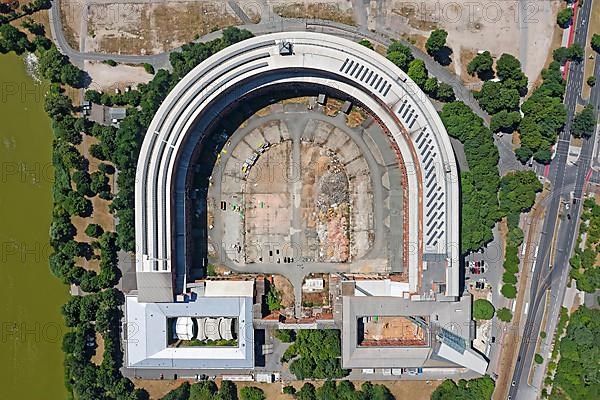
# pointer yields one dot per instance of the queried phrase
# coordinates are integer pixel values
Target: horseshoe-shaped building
(317, 63)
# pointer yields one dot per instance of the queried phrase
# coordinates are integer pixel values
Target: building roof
(453, 319)
(229, 288)
(146, 342)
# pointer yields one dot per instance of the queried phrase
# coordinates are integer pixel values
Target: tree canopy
(474, 389)
(480, 184)
(436, 41)
(316, 355)
(584, 122)
(483, 309)
(577, 374)
(564, 17)
(482, 65)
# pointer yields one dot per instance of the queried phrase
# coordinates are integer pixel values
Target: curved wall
(317, 59)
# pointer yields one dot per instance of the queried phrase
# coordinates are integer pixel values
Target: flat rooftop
(147, 341)
(445, 322)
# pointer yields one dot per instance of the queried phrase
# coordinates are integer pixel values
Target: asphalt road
(553, 272)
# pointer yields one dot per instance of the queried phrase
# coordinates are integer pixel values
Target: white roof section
(229, 288)
(468, 359)
(146, 341)
(381, 287)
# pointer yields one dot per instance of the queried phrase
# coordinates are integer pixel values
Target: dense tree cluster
(474, 389)
(584, 268)
(480, 184)
(517, 195)
(55, 67)
(544, 115)
(402, 57)
(315, 354)
(500, 98)
(577, 375)
(495, 97)
(9, 10)
(12, 39)
(86, 315)
(508, 69)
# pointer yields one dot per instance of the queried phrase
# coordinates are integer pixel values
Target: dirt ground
(339, 11)
(285, 289)
(105, 77)
(71, 13)
(413, 390)
(492, 26)
(154, 27)
(392, 329)
(99, 355)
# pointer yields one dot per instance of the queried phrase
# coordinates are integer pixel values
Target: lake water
(31, 359)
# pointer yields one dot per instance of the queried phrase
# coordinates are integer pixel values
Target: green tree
(591, 81)
(509, 278)
(252, 393)
(474, 389)
(538, 358)
(504, 314)
(180, 393)
(561, 55)
(596, 42)
(400, 55)
(94, 230)
(508, 69)
(445, 92)
(576, 52)
(509, 291)
(306, 392)
(289, 390)
(505, 121)
(285, 335)
(584, 122)
(482, 65)
(483, 309)
(436, 41)
(205, 390)
(418, 72)
(273, 299)
(366, 43)
(564, 17)
(318, 354)
(431, 86)
(495, 97)
(227, 391)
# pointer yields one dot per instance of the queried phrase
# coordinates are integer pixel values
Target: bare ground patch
(70, 15)
(151, 28)
(336, 11)
(104, 77)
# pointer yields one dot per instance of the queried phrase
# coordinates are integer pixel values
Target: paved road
(552, 273)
